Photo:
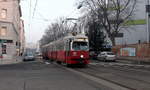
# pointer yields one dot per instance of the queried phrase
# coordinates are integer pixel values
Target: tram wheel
(58, 62)
(68, 65)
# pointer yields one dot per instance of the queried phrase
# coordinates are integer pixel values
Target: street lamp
(148, 20)
(79, 6)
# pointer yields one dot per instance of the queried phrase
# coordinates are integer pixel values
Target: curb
(10, 61)
(134, 61)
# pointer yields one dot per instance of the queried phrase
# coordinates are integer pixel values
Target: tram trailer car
(70, 50)
(44, 52)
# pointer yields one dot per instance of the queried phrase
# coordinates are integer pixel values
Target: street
(44, 75)
(41, 76)
(43, 44)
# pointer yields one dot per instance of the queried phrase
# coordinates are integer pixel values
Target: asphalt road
(43, 76)
(130, 75)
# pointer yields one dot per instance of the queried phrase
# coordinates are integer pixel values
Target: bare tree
(112, 14)
(55, 31)
(93, 29)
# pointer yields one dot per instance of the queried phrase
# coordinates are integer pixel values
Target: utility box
(147, 8)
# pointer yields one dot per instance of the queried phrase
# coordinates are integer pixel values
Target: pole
(148, 20)
(1, 54)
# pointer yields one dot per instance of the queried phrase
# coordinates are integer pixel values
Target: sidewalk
(134, 60)
(13, 60)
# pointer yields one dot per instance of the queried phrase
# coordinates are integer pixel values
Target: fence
(133, 51)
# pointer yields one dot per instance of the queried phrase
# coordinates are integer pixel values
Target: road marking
(47, 63)
(119, 64)
(93, 63)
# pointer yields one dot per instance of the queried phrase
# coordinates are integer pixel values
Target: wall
(141, 50)
(12, 22)
(134, 33)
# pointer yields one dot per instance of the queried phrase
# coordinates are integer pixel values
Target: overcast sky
(47, 11)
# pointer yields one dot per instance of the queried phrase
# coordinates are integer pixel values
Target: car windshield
(80, 46)
(28, 54)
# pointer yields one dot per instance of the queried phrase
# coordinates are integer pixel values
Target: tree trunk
(113, 41)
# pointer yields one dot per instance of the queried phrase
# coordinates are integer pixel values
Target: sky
(46, 12)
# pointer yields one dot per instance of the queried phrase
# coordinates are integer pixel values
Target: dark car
(28, 57)
(93, 55)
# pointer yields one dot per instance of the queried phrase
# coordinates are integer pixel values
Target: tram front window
(80, 46)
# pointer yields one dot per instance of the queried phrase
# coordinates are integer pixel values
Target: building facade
(10, 13)
(135, 41)
(137, 32)
(22, 38)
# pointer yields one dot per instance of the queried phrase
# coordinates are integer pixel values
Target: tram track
(135, 72)
(123, 74)
(109, 80)
(103, 81)
(106, 76)
(97, 79)
(127, 70)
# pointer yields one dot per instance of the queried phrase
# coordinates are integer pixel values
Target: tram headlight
(82, 56)
(74, 53)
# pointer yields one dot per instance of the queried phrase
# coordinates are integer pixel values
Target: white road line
(47, 63)
(93, 63)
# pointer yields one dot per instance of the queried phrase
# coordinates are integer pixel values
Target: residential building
(10, 13)
(22, 37)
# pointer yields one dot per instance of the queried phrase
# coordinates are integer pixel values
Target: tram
(70, 50)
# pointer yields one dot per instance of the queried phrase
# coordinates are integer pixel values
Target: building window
(4, 13)
(3, 31)
(4, 47)
(4, 0)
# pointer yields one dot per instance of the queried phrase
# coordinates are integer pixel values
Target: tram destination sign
(81, 39)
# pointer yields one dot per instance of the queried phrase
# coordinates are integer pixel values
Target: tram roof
(76, 36)
(67, 37)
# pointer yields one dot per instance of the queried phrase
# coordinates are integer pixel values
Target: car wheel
(104, 59)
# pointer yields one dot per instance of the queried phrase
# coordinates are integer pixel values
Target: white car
(106, 56)
(28, 57)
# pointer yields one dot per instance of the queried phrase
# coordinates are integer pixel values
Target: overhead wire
(35, 8)
(29, 25)
(30, 7)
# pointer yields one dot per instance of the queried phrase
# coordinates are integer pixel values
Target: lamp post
(1, 54)
(148, 20)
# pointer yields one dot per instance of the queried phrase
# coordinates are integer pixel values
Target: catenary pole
(148, 20)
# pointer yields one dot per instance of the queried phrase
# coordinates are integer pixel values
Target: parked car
(93, 55)
(38, 55)
(106, 56)
(28, 57)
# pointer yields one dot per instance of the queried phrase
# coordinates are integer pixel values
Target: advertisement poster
(128, 51)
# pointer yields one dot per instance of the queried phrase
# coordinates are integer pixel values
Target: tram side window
(67, 48)
(59, 46)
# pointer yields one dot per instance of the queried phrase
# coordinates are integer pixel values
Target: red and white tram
(68, 50)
